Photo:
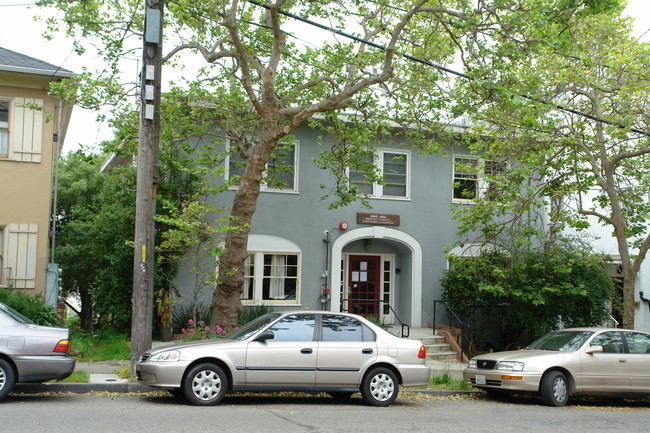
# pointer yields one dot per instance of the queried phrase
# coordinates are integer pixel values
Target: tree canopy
(574, 120)
(265, 69)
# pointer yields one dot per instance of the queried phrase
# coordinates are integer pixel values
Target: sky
(16, 18)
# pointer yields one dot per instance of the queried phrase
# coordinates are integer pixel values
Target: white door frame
(380, 232)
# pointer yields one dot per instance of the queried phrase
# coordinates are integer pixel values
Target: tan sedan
(337, 353)
(586, 361)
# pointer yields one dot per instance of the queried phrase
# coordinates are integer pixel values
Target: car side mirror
(594, 349)
(266, 335)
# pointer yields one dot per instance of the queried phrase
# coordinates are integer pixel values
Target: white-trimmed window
(272, 271)
(4, 128)
(281, 172)
(471, 176)
(21, 129)
(394, 167)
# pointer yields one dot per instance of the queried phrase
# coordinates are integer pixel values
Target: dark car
(30, 352)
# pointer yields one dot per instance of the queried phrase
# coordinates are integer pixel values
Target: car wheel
(380, 387)
(205, 385)
(7, 378)
(555, 389)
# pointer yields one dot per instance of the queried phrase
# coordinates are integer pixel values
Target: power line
(448, 70)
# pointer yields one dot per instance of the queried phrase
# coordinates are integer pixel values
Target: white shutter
(26, 130)
(22, 241)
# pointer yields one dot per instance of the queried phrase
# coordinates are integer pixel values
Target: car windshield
(565, 341)
(15, 315)
(252, 327)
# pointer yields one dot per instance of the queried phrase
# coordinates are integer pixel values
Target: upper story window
(281, 170)
(394, 167)
(474, 178)
(4, 129)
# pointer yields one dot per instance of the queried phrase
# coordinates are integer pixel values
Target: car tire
(7, 378)
(205, 384)
(555, 389)
(379, 387)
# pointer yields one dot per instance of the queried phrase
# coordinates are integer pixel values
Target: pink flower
(198, 310)
(190, 322)
(183, 331)
(206, 329)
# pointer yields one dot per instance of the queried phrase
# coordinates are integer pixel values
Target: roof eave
(44, 72)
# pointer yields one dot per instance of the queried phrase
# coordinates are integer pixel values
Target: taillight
(422, 353)
(62, 346)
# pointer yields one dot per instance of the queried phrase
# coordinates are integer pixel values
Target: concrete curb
(81, 388)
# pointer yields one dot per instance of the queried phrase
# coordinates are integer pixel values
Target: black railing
(450, 311)
(405, 329)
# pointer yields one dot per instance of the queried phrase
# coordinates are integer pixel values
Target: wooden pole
(143, 262)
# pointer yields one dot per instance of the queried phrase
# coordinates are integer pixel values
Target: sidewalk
(102, 378)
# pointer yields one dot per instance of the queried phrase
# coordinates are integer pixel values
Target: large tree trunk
(629, 279)
(226, 301)
(86, 313)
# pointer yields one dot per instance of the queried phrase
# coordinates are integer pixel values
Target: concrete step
(437, 348)
(443, 356)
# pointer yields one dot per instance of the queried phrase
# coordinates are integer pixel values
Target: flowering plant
(201, 331)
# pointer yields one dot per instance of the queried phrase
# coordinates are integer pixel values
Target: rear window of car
(15, 315)
(344, 328)
(564, 341)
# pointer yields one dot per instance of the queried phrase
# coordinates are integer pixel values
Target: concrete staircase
(441, 358)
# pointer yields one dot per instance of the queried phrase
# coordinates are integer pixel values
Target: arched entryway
(414, 309)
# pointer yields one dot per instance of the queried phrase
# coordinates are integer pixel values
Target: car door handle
(623, 361)
(367, 351)
(306, 351)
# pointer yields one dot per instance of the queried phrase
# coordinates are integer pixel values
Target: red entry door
(363, 285)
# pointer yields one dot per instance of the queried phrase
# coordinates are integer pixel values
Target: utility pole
(143, 258)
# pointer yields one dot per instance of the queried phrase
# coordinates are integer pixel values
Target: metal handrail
(406, 329)
(446, 304)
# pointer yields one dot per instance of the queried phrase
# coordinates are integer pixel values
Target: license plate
(480, 379)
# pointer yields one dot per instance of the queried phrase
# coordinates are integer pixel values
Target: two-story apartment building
(32, 127)
(386, 260)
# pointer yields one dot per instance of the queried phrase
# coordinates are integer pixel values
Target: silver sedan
(31, 353)
(337, 353)
(586, 361)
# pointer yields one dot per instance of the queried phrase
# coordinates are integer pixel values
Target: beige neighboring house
(30, 122)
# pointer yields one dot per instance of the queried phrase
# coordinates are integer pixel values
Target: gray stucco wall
(302, 218)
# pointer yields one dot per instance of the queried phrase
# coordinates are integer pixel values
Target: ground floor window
(271, 278)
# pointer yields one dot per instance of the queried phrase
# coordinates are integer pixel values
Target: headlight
(167, 356)
(471, 363)
(510, 365)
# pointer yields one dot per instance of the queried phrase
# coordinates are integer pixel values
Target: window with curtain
(249, 278)
(280, 277)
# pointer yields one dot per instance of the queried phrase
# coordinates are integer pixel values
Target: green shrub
(518, 299)
(100, 347)
(31, 306)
